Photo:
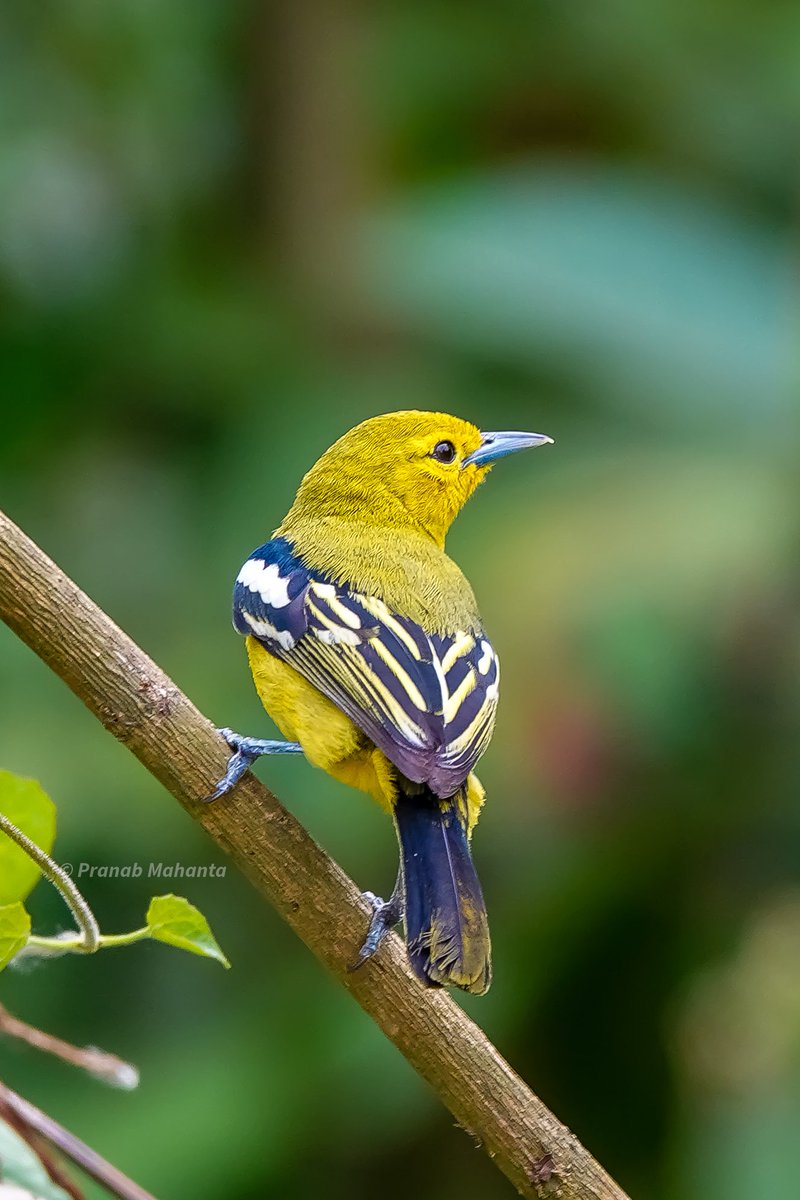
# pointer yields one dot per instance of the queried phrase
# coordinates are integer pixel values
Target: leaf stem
(77, 945)
(89, 940)
(108, 940)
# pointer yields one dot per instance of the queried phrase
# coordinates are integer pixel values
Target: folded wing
(428, 701)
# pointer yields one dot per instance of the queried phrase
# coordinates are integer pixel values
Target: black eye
(444, 452)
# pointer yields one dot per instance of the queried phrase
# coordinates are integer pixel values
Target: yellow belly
(330, 740)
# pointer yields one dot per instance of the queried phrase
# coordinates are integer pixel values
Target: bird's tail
(447, 930)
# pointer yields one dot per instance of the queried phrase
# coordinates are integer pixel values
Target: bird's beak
(498, 445)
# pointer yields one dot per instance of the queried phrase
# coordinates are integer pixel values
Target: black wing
(428, 701)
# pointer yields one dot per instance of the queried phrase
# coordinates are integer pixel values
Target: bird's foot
(245, 752)
(385, 915)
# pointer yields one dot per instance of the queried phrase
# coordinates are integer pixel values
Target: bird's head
(405, 468)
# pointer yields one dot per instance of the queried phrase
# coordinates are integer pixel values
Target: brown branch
(22, 1113)
(42, 1149)
(99, 1063)
(142, 707)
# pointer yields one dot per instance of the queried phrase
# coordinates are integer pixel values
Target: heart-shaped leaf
(173, 920)
(28, 807)
(15, 928)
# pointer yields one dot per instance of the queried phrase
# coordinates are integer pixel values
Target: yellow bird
(368, 652)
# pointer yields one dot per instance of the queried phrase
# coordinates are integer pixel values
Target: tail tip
(471, 971)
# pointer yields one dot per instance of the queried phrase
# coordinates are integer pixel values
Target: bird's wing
(428, 701)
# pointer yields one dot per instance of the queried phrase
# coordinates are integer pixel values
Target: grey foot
(246, 751)
(385, 915)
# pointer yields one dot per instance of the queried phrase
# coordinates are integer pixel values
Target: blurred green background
(227, 233)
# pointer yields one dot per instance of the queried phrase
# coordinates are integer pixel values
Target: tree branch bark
(26, 1117)
(99, 1063)
(144, 709)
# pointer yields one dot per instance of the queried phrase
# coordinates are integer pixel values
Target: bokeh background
(229, 231)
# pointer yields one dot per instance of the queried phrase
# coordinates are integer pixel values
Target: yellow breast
(329, 739)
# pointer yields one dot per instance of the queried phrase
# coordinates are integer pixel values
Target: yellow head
(404, 469)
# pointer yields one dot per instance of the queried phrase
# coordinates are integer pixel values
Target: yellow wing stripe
(321, 617)
(359, 674)
(454, 702)
(380, 693)
(343, 613)
(461, 646)
(484, 716)
(400, 673)
(354, 675)
(379, 610)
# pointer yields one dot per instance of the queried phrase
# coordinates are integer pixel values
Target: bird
(368, 652)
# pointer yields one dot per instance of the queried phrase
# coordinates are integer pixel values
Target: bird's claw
(385, 915)
(245, 752)
(238, 764)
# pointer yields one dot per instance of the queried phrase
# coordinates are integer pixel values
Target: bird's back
(406, 570)
(426, 698)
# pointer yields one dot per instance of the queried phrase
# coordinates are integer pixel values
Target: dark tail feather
(447, 931)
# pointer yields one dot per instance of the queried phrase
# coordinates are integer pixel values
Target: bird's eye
(444, 452)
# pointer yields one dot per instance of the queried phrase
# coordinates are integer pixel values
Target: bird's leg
(385, 915)
(245, 752)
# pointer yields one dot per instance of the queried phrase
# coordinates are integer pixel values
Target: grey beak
(498, 445)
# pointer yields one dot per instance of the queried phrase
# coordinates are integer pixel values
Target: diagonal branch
(26, 1118)
(99, 1063)
(142, 707)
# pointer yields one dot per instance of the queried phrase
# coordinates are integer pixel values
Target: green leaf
(20, 1165)
(28, 807)
(15, 928)
(173, 920)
